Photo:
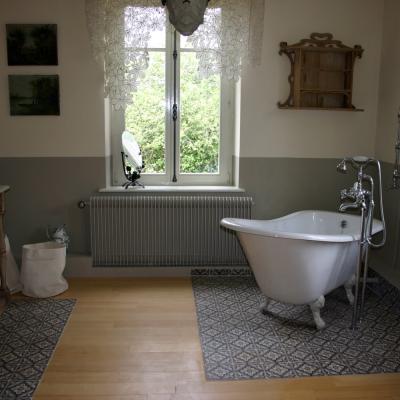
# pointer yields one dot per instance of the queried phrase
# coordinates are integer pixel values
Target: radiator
(165, 230)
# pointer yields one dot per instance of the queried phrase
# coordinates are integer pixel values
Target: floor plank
(137, 339)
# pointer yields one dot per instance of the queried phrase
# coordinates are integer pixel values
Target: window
(196, 146)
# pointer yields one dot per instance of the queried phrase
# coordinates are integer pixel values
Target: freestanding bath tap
(358, 197)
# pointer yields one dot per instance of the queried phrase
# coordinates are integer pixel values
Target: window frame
(227, 129)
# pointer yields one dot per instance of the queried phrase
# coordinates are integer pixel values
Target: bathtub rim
(235, 224)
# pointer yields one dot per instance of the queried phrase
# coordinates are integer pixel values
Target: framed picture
(32, 44)
(34, 94)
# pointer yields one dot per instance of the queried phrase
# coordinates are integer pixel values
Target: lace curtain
(230, 37)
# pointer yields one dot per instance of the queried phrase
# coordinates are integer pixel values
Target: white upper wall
(267, 131)
(79, 130)
(389, 95)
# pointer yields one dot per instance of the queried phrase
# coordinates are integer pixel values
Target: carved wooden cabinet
(321, 75)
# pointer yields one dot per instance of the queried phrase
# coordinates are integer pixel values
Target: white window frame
(227, 128)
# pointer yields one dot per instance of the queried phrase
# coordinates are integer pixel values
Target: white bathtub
(301, 257)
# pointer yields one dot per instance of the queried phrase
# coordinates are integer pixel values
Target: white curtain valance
(229, 38)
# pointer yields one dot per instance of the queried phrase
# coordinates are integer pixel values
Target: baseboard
(80, 266)
(388, 272)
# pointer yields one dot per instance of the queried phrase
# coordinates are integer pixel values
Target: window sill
(172, 189)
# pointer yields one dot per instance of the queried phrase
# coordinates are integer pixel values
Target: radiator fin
(165, 230)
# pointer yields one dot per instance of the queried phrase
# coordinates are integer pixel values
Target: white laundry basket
(42, 268)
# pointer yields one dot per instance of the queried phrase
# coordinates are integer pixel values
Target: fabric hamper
(42, 268)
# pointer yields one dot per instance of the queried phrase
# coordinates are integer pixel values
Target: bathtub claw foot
(264, 306)
(316, 312)
(348, 286)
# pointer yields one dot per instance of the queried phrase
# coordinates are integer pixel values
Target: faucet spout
(345, 206)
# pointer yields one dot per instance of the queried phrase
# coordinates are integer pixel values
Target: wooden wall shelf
(321, 108)
(321, 75)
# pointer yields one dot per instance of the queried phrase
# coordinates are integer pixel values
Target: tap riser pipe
(364, 284)
(354, 322)
(362, 199)
(370, 221)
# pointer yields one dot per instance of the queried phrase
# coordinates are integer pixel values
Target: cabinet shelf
(324, 91)
(321, 108)
(321, 76)
(318, 69)
(317, 49)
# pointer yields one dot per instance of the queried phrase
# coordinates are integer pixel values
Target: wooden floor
(137, 339)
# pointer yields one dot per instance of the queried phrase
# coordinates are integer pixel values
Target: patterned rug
(239, 342)
(29, 332)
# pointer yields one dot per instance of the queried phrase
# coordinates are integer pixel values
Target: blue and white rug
(29, 332)
(239, 342)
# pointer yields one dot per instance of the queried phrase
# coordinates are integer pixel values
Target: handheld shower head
(356, 162)
(361, 161)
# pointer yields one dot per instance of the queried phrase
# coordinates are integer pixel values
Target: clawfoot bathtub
(301, 257)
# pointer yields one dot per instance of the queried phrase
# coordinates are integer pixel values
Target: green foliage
(200, 112)
(200, 117)
(145, 117)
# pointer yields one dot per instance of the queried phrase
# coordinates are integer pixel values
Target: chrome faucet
(357, 194)
(359, 197)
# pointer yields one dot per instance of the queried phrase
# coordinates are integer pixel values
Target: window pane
(145, 117)
(200, 119)
(157, 39)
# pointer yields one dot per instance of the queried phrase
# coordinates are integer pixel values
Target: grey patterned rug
(239, 342)
(29, 332)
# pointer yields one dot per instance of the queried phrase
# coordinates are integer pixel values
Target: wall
(389, 94)
(52, 162)
(79, 130)
(389, 102)
(287, 158)
(270, 132)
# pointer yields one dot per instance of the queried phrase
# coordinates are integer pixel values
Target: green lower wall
(387, 260)
(283, 185)
(45, 191)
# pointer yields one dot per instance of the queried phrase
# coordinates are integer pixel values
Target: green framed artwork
(34, 94)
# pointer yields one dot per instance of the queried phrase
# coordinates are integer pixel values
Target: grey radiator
(165, 230)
